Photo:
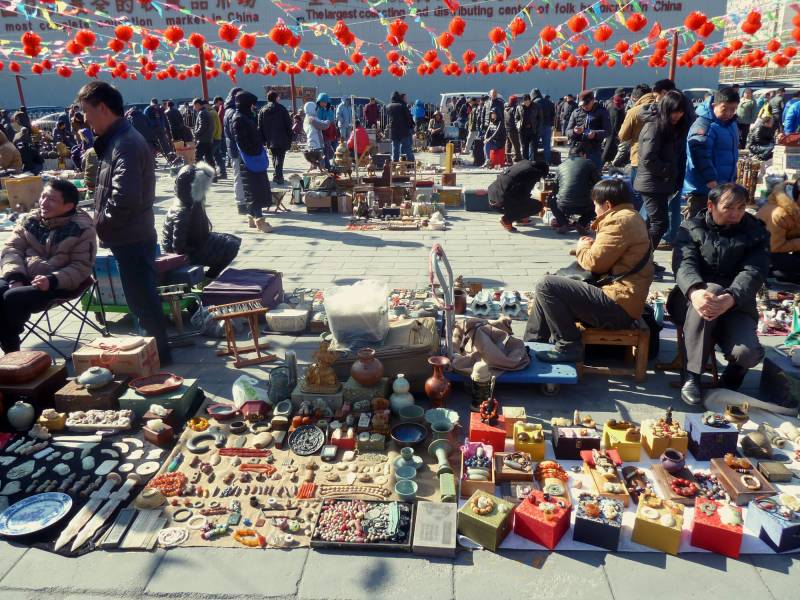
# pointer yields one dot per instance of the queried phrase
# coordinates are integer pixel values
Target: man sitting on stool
(576, 177)
(720, 260)
(49, 255)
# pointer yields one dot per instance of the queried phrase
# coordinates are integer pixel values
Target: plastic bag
(358, 314)
(245, 390)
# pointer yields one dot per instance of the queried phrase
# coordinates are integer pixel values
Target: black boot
(692, 391)
(732, 377)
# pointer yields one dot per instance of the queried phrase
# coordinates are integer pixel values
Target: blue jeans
(546, 135)
(675, 217)
(137, 271)
(404, 146)
(218, 149)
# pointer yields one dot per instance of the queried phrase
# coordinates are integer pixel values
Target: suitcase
(406, 350)
(38, 391)
(238, 285)
(189, 275)
(74, 397)
(478, 157)
(476, 200)
(23, 366)
(169, 262)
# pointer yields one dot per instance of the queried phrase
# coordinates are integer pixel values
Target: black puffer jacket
(177, 127)
(139, 121)
(495, 134)
(595, 121)
(203, 127)
(761, 140)
(515, 183)
(399, 116)
(529, 120)
(248, 139)
(737, 258)
(186, 227)
(545, 106)
(510, 119)
(275, 126)
(227, 131)
(575, 178)
(657, 154)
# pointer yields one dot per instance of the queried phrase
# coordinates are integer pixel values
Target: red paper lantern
(74, 47)
(545, 50)
(636, 22)
(196, 40)
(422, 70)
(497, 36)
(622, 46)
(240, 58)
(468, 56)
(272, 58)
(457, 26)
(430, 56)
(577, 23)
(548, 33)
(47, 64)
(517, 27)
(85, 38)
(397, 32)
(247, 41)
(150, 43)
(446, 39)
(37, 69)
(124, 33)
(582, 50)
(294, 41)
(13, 66)
(32, 51)
(695, 20)
(392, 56)
(115, 44)
(662, 45)
(790, 51)
(706, 30)
(736, 45)
(773, 45)
(753, 17)
(173, 34)
(372, 61)
(280, 34)
(357, 57)
(796, 34)
(30, 39)
(228, 32)
(64, 71)
(92, 70)
(603, 33)
(750, 28)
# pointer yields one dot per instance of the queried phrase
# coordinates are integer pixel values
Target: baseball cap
(586, 96)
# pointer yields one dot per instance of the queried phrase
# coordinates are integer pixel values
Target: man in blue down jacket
(712, 148)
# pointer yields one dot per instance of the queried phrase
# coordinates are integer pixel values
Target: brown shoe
(508, 226)
(251, 221)
(263, 226)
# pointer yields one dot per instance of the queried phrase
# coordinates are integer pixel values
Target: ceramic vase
(437, 387)
(672, 461)
(367, 370)
(21, 415)
(460, 301)
(94, 378)
(401, 396)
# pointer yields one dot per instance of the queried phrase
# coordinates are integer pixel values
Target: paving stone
(780, 574)
(93, 572)
(219, 572)
(332, 575)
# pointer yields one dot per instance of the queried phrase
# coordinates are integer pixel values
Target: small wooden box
(344, 204)
(468, 486)
(710, 533)
(653, 532)
(160, 438)
(435, 529)
(598, 531)
(72, 397)
(615, 438)
(569, 441)
(731, 482)
(39, 392)
(655, 445)
(599, 481)
(706, 442)
(512, 415)
(774, 471)
(546, 528)
(664, 481)
(180, 400)
(450, 195)
(505, 474)
(534, 445)
(494, 435)
(780, 534)
(487, 530)
(170, 418)
(315, 200)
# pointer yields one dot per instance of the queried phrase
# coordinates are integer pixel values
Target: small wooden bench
(637, 341)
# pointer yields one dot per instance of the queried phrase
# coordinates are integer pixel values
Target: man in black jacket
(177, 128)
(529, 120)
(512, 133)
(203, 133)
(140, 123)
(401, 127)
(275, 126)
(576, 177)
(567, 109)
(720, 260)
(589, 123)
(124, 196)
(548, 111)
(233, 150)
(510, 193)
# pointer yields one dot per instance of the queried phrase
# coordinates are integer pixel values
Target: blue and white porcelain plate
(34, 513)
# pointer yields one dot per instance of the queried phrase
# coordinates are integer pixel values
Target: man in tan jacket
(49, 255)
(10, 158)
(781, 215)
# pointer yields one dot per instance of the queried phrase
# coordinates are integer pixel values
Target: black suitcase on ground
(478, 156)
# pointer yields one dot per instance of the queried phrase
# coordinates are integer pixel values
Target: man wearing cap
(203, 133)
(590, 123)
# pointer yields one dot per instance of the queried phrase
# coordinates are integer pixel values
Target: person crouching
(510, 193)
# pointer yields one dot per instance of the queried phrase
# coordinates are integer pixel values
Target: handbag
(576, 272)
(255, 163)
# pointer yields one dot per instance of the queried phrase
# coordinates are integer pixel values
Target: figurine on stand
(490, 407)
(320, 378)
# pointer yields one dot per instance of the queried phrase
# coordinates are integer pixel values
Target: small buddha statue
(341, 157)
(320, 378)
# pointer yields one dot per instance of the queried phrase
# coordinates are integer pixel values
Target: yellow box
(512, 414)
(654, 443)
(450, 195)
(658, 524)
(529, 437)
(625, 438)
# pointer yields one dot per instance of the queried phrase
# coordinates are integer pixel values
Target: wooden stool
(636, 339)
(677, 363)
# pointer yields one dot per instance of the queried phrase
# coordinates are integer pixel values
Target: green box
(487, 530)
(179, 400)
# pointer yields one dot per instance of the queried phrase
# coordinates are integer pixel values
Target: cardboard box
(435, 529)
(542, 521)
(602, 530)
(494, 435)
(658, 525)
(623, 437)
(179, 400)
(569, 441)
(706, 442)
(529, 437)
(711, 533)
(488, 530)
(782, 535)
(731, 481)
(655, 442)
(469, 486)
(512, 415)
(505, 474)
(105, 352)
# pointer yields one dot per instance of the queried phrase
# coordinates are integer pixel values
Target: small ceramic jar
(672, 461)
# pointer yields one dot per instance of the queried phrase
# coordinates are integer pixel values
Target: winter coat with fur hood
(313, 127)
(186, 227)
(781, 215)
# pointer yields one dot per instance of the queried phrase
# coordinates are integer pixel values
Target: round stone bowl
(408, 434)
(412, 412)
(405, 473)
(406, 490)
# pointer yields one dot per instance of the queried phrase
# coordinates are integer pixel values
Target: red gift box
(709, 533)
(494, 435)
(532, 523)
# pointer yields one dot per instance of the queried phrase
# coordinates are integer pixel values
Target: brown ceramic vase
(367, 370)
(437, 387)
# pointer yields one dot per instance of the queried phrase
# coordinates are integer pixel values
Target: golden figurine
(320, 378)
